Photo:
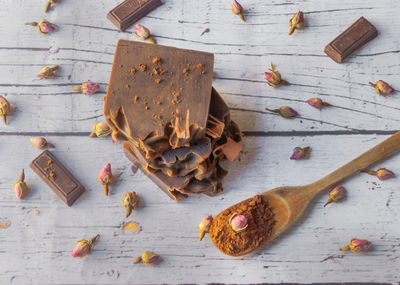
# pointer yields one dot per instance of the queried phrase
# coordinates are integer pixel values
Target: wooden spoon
(288, 203)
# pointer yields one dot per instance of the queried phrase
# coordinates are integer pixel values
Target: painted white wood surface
(35, 249)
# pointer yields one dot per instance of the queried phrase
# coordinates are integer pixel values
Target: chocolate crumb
(49, 162)
(142, 67)
(147, 107)
(155, 71)
(157, 60)
(203, 72)
(185, 71)
(163, 71)
(136, 98)
(120, 65)
(132, 70)
(158, 80)
(200, 65)
(127, 86)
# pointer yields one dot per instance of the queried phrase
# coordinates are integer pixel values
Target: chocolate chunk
(60, 179)
(131, 11)
(178, 93)
(351, 39)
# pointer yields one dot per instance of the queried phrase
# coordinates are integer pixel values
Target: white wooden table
(36, 249)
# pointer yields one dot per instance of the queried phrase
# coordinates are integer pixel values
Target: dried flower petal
(150, 258)
(132, 226)
(105, 177)
(84, 247)
(48, 72)
(41, 143)
(336, 194)
(237, 9)
(284, 111)
(274, 78)
(300, 153)
(143, 33)
(381, 173)
(130, 200)
(50, 4)
(357, 245)
(204, 226)
(317, 103)
(382, 88)
(296, 22)
(21, 189)
(100, 130)
(88, 88)
(44, 26)
(238, 222)
(4, 108)
(5, 225)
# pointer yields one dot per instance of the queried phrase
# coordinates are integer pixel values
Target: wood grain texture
(35, 249)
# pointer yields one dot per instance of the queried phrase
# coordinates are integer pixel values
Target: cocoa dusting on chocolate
(142, 67)
(158, 80)
(260, 220)
(157, 60)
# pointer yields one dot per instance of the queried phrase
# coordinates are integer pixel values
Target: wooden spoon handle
(375, 154)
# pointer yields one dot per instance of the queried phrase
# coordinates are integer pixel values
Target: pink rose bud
(382, 88)
(317, 103)
(237, 9)
(44, 26)
(4, 108)
(238, 222)
(105, 177)
(300, 153)
(381, 173)
(143, 33)
(357, 245)
(204, 226)
(21, 189)
(84, 247)
(148, 258)
(50, 4)
(88, 88)
(296, 22)
(100, 130)
(274, 78)
(336, 194)
(48, 72)
(284, 111)
(41, 143)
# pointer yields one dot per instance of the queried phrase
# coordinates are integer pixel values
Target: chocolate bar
(131, 11)
(357, 35)
(60, 179)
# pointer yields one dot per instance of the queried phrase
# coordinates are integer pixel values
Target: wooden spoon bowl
(289, 202)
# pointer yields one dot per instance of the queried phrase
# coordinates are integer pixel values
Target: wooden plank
(36, 248)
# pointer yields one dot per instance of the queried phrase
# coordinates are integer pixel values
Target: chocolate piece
(50, 169)
(182, 96)
(351, 39)
(131, 11)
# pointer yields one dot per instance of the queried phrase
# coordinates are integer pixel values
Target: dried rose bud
(115, 136)
(357, 245)
(100, 130)
(300, 153)
(317, 103)
(148, 258)
(41, 143)
(238, 222)
(4, 108)
(284, 111)
(381, 173)
(88, 88)
(296, 22)
(237, 9)
(130, 200)
(382, 88)
(204, 226)
(50, 4)
(336, 194)
(48, 72)
(274, 78)
(105, 177)
(143, 33)
(44, 26)
(84, 247)
(21, 189)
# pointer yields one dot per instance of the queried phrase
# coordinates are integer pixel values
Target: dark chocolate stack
(177, 127)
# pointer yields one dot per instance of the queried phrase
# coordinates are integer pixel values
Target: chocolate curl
(182, 133)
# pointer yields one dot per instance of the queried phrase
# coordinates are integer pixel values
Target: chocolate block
(155, 85)
(351, 39)
(51, 170)
(131, 11)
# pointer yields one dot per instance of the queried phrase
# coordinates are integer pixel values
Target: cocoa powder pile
(260, 227)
